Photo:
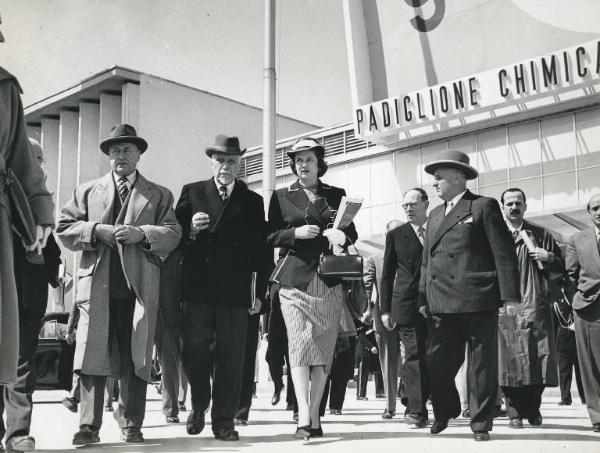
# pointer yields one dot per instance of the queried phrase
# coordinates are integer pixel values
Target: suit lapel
(458, 212)
(141, 193)
(592, 246)
(106, 190)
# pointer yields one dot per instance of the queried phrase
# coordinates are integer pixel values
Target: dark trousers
(414, 370)
(276, 361)
(249, 368)
(567, 361)
(342, 370)
(364, 369)
(523, 402)
(448, 334)
(17, 397)
(168, 348)
(131, 407)
(587, 336)
(224, 326)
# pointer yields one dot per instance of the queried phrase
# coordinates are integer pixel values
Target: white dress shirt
(416, 228)
(229, 187)
(453, 202)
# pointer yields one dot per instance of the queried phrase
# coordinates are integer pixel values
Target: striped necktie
(224, 194)
(421, 234)
(122, 187)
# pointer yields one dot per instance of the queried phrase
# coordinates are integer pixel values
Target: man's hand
(105, 234)
(542, 255)
(200, 221)
(42, 232)
(386, 320)
(307, 232)
(256, 308)
(70, 338)
(128, 234)
(424, 310)
(510, 307)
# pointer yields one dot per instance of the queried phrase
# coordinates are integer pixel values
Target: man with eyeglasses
(399, 295)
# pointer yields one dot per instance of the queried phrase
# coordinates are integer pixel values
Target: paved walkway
(359, 429)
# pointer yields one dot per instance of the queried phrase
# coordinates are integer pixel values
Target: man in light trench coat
(123, 225)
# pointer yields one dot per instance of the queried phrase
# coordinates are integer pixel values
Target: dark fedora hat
(453, 159)
(226, 145)
(123, 133)
(305, 144)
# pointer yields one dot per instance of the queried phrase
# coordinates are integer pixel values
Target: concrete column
(49, 142)
(89, 157)
(110, 114)
(357, 47)
(67, 155)
(130, 105)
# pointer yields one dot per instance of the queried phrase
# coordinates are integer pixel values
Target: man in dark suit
(583, 290)
(399, 295)
(469, 270)
(223, 244)
(387, 340)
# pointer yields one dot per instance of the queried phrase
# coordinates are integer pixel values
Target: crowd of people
(466, 285)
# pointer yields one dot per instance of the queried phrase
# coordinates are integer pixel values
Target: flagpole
(269, 104)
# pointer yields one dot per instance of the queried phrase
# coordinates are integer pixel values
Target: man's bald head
(395, 223)
(36, 151)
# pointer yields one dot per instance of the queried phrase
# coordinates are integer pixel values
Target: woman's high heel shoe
(316, 432)
(303, 432)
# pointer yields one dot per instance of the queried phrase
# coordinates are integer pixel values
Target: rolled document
(530, 247)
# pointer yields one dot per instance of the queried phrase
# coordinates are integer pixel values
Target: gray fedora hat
(226, 145)
(453, 159)
(305, 144)
(123, 133)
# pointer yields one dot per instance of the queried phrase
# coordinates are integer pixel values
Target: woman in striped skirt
(313, 309)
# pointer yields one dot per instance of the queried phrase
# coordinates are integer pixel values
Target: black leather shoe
(240, 421)
(565, 402)
(335, 411)
(172, 419)
(362, 398)
(289, 407)
(388, 414)
(70, 404)
(302, 432)
(227, 434)
(86, 436)
(481, 436)
(195, 423)
(536, 420)
(466, 413)
(181, 406)
(438, 426)
(295, 416)
(108, 408)
(596, 427)
(515, 422)
(276, 395)
(132, 435)
(20, 443)
(499, 412)
(316, 432)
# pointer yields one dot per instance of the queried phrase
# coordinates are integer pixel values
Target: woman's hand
(307, 232)
(335, 236)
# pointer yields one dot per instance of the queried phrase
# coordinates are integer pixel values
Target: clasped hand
(42, 232)
(126, 234)
(200, 221)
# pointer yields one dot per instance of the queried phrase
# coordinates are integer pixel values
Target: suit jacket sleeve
(388, 272)
(184, 214)
(280, 235)
(503, 251)
(572, 268)
(164, 235)
(422, 300)
(74, 229)
(369, 277)
(555, 271)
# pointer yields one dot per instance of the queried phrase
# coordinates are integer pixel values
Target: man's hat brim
(138, 141)
(224, 150)
(470, 172)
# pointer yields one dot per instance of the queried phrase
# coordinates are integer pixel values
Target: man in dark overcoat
(223, 243)
(469, 270)
(527, 347)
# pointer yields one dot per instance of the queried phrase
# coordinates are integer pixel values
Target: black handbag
(346, 267)
(23, 222)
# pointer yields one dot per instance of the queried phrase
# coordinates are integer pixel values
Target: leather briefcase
(346, 267)
(23, 222)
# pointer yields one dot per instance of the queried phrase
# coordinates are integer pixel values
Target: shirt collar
(130, 178)
(457, 198)
(229, 186)
(597, 230)
(512, 228)
(416, 228)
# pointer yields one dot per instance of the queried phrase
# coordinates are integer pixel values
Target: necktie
(224, 194)
(122, 187)
(421, 234)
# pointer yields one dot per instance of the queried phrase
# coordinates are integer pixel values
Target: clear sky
(214, 45)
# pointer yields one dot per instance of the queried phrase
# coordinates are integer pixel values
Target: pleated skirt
(312, 318)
